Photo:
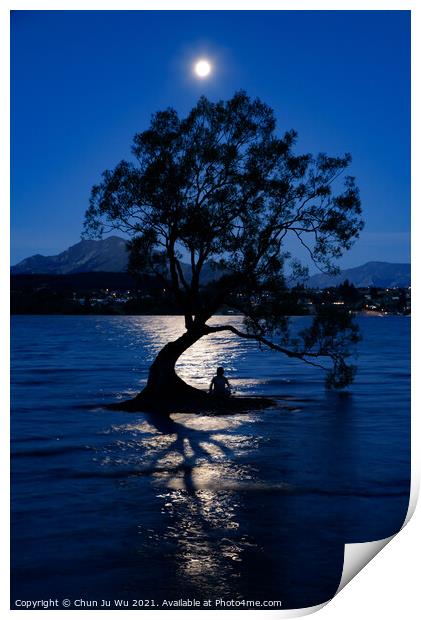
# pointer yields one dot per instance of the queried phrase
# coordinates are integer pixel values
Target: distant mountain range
(105, 255)
(374, 273)
(88, 255)
(110, 255)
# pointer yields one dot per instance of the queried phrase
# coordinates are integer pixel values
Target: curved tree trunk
(163, 380)
(165, 392)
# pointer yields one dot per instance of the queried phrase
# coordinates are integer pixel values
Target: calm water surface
(251, 506)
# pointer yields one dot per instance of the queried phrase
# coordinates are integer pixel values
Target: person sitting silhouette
(220, 385)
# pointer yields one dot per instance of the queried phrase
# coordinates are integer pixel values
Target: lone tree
(221, 190)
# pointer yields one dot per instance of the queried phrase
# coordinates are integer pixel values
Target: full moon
(202, 68)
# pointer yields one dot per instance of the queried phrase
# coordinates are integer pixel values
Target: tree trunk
(165, 392)
(163, 380)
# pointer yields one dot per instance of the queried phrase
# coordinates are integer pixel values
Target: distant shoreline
(364, 313)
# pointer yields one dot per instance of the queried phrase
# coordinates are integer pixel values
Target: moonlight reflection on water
(193, 466)
(197, 365)
(254, 505)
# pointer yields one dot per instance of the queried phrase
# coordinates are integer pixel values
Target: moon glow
(202, 68)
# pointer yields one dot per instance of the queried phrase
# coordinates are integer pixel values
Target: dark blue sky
(83, 82)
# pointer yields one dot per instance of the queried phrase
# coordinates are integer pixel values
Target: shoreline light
(202, 68)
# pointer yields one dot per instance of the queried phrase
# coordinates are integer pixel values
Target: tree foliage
(220, 188)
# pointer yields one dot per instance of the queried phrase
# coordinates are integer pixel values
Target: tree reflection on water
(193, 465)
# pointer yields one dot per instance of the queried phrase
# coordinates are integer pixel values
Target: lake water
(257, 506)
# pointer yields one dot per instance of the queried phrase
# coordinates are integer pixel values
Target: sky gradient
(84, 82)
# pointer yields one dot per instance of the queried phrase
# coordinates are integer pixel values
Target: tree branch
(266, 342)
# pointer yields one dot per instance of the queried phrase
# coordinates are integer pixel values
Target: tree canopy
(221, 189)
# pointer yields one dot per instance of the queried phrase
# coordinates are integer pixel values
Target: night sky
(84, 82)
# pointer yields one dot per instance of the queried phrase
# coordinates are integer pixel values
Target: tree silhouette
(219, 189)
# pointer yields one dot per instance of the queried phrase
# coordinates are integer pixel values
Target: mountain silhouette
(374, 273)
(88, 255)
(110, 255)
